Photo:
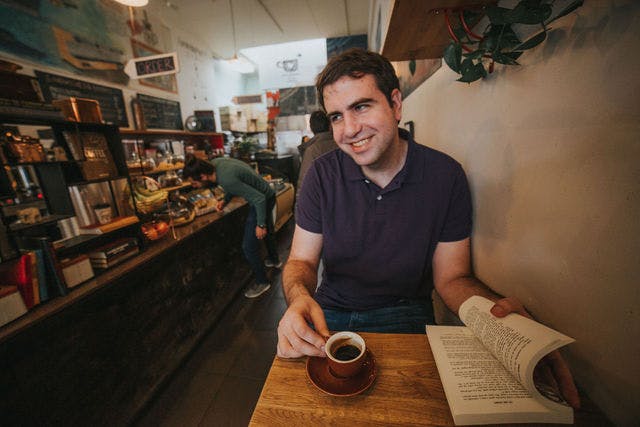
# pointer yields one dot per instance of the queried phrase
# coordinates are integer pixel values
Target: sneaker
(256, 290)
(269, 263)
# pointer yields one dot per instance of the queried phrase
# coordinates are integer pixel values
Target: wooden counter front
(96, 356)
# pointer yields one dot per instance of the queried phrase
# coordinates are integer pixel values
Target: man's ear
(396, 104)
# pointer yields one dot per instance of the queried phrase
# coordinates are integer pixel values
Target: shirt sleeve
(458, 221)
(254, 197)
(309, 202)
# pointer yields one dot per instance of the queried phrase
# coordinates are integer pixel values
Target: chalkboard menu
(296, 101)
(160, 113)
(110, 99)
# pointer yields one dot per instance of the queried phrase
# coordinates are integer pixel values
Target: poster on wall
(110, 99)
(81, 37)
(167, 82)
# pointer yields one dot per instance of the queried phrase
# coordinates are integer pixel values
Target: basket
(148, 201)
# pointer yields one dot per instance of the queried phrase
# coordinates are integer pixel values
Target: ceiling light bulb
(134, 3)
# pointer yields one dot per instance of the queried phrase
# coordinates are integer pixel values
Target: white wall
(552, 153)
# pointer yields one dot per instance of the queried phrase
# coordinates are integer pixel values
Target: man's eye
(360, 107)
(334, 118)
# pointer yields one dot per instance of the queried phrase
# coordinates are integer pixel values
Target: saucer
(320, 376)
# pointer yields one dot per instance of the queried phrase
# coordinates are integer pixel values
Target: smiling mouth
(360, 143)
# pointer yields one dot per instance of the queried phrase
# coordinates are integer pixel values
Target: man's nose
(352, 126)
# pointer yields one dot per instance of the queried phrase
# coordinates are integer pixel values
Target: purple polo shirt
(379, 242)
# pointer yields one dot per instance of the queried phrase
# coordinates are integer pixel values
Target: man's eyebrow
(352, 105)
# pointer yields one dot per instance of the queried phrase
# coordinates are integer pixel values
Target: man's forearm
(298, 278)
(458, 290)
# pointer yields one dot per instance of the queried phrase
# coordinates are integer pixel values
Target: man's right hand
(295, 337)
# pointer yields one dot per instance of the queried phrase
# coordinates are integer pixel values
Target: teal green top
(238, 179)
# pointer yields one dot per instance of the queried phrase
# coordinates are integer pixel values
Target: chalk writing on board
(160, 113)
(111, 99)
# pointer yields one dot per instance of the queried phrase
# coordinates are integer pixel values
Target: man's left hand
(556, 362)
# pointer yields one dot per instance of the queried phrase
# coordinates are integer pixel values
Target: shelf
(83, 242)
(177, 187)
(165, 133)
(63, 162)
(417, 29)
(136, 171)
(95, 181)
(45, 220)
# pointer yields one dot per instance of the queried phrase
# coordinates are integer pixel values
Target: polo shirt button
(379, 197)
(367, 181)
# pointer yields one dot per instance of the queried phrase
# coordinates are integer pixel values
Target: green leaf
(460, 34)
(476, 54)
(567, 10)
(490, 41)
(476, 72)
(496, 15)
(512, 55)
(504, 58)
(504, 37)
(466, 65)
(412, 66)
(532, 42)
(452, 54)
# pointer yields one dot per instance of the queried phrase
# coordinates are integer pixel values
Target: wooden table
(407, 391)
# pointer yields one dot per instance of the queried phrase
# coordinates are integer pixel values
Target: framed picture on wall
(167, 82)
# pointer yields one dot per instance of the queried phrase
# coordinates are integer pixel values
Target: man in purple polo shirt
(390, 218)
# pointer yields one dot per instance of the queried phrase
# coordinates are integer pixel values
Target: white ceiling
(263, 22)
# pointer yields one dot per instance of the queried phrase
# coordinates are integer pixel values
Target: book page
(516, 341)
(478, 388)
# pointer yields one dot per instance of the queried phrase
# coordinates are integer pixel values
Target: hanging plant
(473, 55)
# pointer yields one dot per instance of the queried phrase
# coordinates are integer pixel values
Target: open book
(487, 367)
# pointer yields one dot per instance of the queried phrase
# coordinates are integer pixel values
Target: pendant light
(240, 64)
(133, 3)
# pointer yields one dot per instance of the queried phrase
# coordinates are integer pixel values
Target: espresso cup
(345, 354)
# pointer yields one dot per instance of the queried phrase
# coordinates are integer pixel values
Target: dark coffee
(346, 352)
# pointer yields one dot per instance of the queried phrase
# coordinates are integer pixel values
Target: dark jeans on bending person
(251, 244)
(404, 317)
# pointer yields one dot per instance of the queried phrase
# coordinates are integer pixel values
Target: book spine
(42, 276)
(54, 272)
(24, 280)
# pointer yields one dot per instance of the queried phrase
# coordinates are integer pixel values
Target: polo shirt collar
(411, 172)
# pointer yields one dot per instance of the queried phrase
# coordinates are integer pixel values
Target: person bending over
(238, 179)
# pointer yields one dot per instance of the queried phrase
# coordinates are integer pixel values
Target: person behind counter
(390, 217)
(321, 143)
(237, 178)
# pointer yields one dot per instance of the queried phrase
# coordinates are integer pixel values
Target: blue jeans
(251, 244)
(405, 317)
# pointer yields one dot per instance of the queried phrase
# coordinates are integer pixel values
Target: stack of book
(114, 253)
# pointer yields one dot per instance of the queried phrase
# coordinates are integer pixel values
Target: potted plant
(473, 55)
(246, 146)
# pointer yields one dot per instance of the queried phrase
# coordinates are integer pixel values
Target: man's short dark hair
(357, 63)
(194, 167)
(319, 122)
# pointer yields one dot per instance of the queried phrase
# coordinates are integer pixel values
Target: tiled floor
(221, 381)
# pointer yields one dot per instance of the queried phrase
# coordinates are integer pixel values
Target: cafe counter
(97, 355)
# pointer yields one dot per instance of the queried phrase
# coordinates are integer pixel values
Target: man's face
(364, 125)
